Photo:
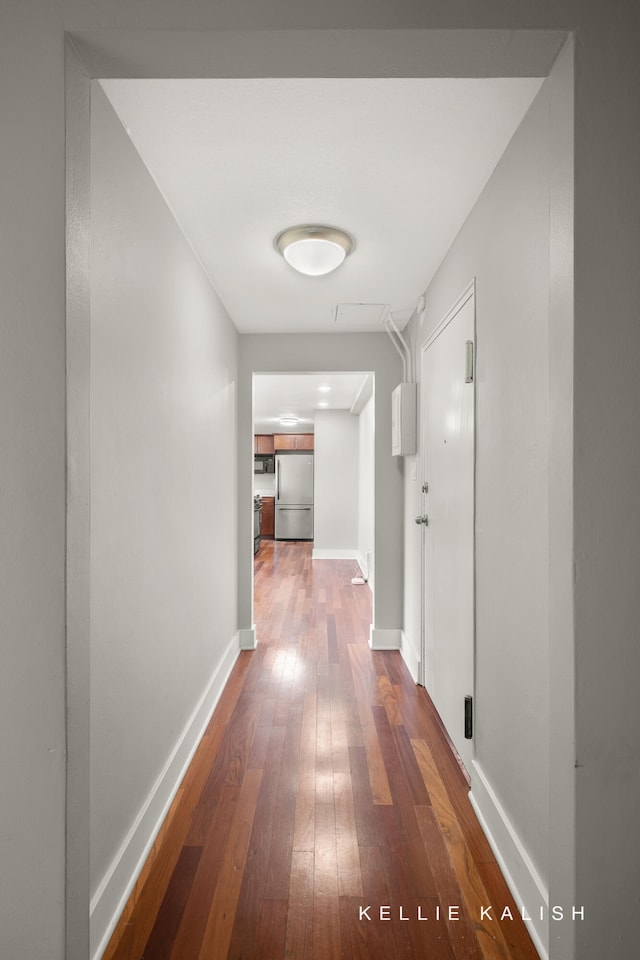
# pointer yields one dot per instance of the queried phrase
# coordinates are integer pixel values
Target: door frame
(98, 52)
(369, 391)
(467, 294)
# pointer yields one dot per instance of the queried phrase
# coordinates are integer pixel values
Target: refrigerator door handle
(277, 479)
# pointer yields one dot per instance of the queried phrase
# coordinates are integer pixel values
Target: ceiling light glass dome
(314, 250)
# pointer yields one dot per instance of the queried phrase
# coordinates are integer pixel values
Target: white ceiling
(398, 163)
(301, 395)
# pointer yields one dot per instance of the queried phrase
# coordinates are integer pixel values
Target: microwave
(264, 464)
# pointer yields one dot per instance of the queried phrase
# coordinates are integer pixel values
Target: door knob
(424, 520)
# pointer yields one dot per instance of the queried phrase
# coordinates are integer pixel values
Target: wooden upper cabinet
(263, 443)
(284, 441)
(293, 441)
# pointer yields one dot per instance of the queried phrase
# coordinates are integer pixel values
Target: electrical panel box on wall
(403, 420)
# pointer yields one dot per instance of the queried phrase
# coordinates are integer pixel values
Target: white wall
(32, 493)
(596, 364)
(336, 487)
(163, 503)
(366, 490)
(505, 245)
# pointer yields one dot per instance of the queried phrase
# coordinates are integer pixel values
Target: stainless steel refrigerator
(294, 496)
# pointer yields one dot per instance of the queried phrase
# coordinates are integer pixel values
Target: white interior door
(448, 471)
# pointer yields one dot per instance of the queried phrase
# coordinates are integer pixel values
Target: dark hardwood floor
(322, 799)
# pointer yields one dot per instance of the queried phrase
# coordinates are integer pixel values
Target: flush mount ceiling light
(313, 249)
(288, 421)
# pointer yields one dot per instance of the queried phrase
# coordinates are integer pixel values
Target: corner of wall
(410, 656)
(247, 638)
(78, 260)
(385, 639)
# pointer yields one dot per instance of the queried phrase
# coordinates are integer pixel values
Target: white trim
(118, 882)
(383, 639)
(335, 553)
(364, 395)
(410, 656)
(247, 639)
(517, 867)
(466, 294)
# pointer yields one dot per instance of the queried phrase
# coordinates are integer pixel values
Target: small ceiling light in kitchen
(324, 389)
(288, 421)
(313, 249)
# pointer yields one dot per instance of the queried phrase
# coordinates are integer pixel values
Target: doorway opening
(313, 469)
(390, 559)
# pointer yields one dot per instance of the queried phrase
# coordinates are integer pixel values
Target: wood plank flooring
(324, 812)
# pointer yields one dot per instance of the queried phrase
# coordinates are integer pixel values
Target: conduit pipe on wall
(406, 347)
(397, 346)
(401, 346)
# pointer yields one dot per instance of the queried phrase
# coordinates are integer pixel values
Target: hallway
(324, 814)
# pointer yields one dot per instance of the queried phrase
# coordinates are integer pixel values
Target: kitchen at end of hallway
(283, 487)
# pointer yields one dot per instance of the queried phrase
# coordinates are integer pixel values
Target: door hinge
(425, 487)
(469, 362)
(468, 718)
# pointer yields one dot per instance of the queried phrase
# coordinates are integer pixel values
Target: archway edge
(318, 53)
(235, 53)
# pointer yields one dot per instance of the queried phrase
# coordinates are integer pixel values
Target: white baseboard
(410, 656)
(384, 639)
(247, 638)
(366, 573)
(333, 553)
(527, 888)
(111, 896)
